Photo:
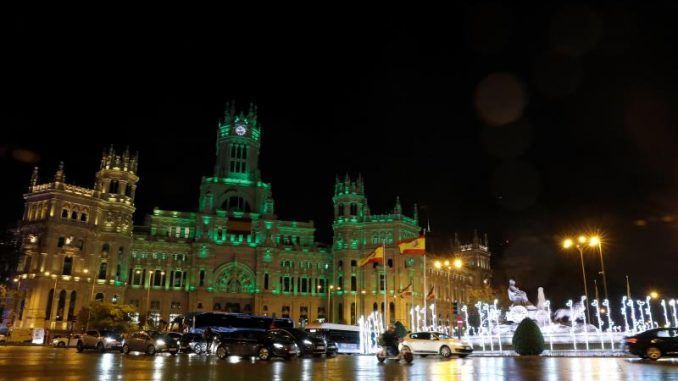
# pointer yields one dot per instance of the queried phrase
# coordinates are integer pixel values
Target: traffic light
(455, 307)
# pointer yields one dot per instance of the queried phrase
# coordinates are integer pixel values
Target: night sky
(529, 123)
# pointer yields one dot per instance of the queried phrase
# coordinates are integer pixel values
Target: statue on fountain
(521, 306)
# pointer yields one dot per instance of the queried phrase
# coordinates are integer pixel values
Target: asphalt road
(44, 363)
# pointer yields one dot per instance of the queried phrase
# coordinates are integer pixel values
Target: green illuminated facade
(230, 254)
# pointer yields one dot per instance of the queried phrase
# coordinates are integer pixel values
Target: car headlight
(308, 342)
(277, 345)
(160, 342)
(109, 339)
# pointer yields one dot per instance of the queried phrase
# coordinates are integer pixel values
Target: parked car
(3, 339)
(308, 343)
(101, 340)
(264, 345)
(654, 343)
(65, 341)
(192, 342)
(432, 343)
(150, 342)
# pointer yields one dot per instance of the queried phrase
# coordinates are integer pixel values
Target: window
(236, 203)
(238, 162)
(216, 307)
(354, 209)
(68, 266)
(304, 285)
(340, 265)
(341, 210)
(61, 305)
(99, 297)
(113, 186)
(354, 283)
(286, 284)
(321, 312)
(74, 215)
(354, 263)
(202, 278)
(48, 307)
(155, 305)
(266, 281)
(390, 263)
(177, 279)
(71, 306)
(158, 278)
(382, 281)
(64, 213)
(61, 242)
(286, 311)
(136, 278)
(103, 269)
(340, 282)
(321, 286)
(105, 249)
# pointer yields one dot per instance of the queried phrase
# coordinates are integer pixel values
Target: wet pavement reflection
(43, 363)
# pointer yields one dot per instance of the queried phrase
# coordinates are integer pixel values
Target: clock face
(240, 130)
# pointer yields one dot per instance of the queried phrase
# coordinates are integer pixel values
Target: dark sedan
(654, 343)
(264, 345)
(150, 342)
(308, 344)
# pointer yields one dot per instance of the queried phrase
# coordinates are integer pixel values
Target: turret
(59, 175)
(349, 198)
(117, 175)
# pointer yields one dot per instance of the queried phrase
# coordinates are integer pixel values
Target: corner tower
(238, 142)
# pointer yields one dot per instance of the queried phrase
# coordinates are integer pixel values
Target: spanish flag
(413, 246)
(431, 295)
(407, 291)
(375, 256)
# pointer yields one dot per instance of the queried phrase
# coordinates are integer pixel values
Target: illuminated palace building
(230, 254)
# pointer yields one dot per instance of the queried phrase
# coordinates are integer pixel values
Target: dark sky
(528, 123)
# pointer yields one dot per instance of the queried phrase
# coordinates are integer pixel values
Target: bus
(347, 337)
(196, 322)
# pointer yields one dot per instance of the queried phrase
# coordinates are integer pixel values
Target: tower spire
(34, 177)
(59, 176)
(398, 208)
(415, 214)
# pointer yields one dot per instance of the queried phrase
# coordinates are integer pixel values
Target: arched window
(74, 215)
(354, 209)
(266, 281)
(237, 204)
(391, 311)
(354, 263)
(68, 266)
(103, 269)
(340, 264)
(375, 307)
(105, 249)
(71, 306)
(48, 307)
(113, 186)
(99, 297)
(217, 307)
(61, 306)
(199, 306)
(64, 213)
(128, 190)
(340, 210)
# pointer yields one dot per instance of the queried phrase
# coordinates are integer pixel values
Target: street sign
(460, 320)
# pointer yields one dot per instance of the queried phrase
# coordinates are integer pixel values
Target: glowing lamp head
(437, 264)
(654, 294)
(581, 239)
(458, 263)
(567, 243)
(447, 263)
(594, 241)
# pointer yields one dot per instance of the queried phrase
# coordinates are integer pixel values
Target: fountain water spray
(610, 323)
(666, 317)
(547, 305)
(572, 324)
(673, 303)
(633, 315)
(599, 328)
(641, 316)
(648, 310)
(623, 311)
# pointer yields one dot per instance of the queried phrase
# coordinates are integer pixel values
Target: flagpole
(424, 294)
(386, 309)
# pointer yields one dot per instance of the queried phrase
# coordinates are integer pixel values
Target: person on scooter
(389, 341)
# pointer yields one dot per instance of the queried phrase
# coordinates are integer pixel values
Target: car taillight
(632, 340)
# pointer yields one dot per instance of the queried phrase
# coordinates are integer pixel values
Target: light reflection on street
(34, 363)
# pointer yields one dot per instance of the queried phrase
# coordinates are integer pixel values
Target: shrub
(528, 339)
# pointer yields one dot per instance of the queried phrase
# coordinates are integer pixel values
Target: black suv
(308, 343)
(654, 343)
(264, 345)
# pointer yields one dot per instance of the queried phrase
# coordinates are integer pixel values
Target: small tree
(528, 339)
(110, 316)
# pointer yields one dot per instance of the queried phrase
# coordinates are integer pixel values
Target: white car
(65, 341)
(434, 343)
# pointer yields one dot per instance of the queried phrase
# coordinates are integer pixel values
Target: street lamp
(595, 241)
(329, 302)
(567, 244)
(654, 295)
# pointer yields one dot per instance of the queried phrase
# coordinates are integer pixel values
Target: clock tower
(238, 139)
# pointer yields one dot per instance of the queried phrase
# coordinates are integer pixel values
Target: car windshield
(299, 334)
(281, 335)
(443, 336)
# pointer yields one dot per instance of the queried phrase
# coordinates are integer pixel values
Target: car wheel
(222, 352)
(61, 344)
(100, 347)
(407, 355)
(150, 350)
(80, 347)
(264, 353)
(445, 351)
(125, 349)
(172, 353)
(653, 353)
